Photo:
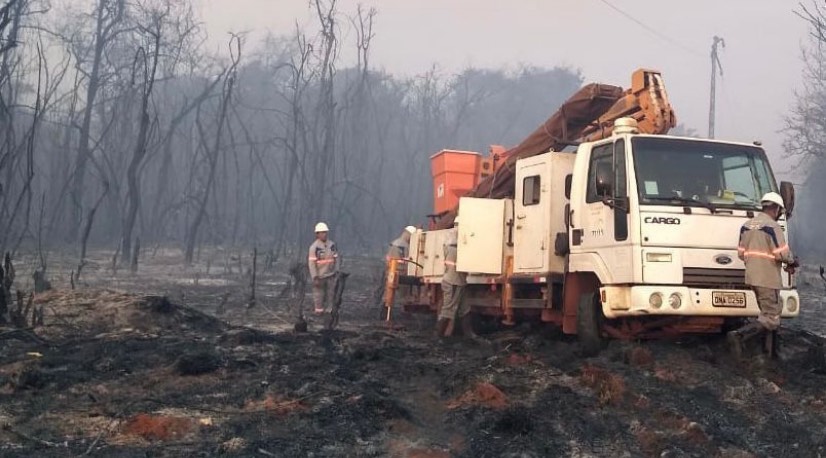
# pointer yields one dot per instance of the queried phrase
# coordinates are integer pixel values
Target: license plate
(726, 299)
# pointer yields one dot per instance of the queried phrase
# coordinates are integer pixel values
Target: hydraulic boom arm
(588, 115)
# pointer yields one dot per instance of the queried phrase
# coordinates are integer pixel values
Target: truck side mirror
(787, 193)
(604, 179)
(568, 180)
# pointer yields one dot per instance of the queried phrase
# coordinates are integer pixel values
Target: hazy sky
(761, 60)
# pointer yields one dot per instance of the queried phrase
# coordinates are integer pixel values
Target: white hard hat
(321, 227)
(773, 198)
(410, 229)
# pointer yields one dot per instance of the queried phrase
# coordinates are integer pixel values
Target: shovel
(338, 293)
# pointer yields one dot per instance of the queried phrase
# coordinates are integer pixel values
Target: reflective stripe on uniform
(325, 261)
(781, 249)
(759, 254)
(450, 263)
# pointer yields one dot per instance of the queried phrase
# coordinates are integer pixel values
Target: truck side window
(531, 189)
(620, 180)
(600, 154)
(620, 191)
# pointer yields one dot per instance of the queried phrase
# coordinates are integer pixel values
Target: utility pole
(715, 67)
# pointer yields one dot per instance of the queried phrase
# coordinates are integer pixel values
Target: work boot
(300, 325)
(442, 326)
(771, 344)
(467, 327)
(738, 337)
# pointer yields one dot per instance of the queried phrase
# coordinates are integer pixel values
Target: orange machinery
(455, 173)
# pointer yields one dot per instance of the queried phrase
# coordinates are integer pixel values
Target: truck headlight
(656, 300)
(658, 257)
(675, 300)
(791, 304)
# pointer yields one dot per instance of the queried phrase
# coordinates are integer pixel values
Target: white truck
(631, 235)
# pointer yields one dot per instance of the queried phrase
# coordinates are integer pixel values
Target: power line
(652, 30)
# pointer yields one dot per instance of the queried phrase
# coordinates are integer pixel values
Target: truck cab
(655, 222)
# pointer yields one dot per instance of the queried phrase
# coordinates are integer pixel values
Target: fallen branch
(100, 435)
(130, 404)
(108, 427)
(26, 332)
(274, 315)
(8, 428)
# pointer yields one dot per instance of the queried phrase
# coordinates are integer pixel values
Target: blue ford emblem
(722, 259)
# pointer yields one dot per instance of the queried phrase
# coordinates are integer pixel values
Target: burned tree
(806, 127)
(166, 29)
(7, 275)
(87, 229)
(212, 152)
(92, 63)
(28, 87)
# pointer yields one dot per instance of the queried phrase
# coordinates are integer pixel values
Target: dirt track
(116, 374)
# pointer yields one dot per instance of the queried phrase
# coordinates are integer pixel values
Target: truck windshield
(696, 173)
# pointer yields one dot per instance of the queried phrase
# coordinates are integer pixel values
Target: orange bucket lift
(455, 173)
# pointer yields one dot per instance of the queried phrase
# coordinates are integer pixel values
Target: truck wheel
(589, 324)
(730, 324)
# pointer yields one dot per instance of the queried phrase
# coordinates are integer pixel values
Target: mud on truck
(599, 223)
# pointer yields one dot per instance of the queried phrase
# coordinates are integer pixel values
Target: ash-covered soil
(120, 370)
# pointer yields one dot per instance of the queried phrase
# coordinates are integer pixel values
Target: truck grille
(729, 278)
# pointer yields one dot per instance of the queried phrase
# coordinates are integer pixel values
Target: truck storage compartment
(431, 254)
(481, 235)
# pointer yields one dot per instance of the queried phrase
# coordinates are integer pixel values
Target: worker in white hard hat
(764, 250)
(454, 306)
(323, 261)
(399, 248)
(398, 251)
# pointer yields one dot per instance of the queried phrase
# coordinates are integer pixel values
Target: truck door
(481, 235)
(531, 231)
(603, 222)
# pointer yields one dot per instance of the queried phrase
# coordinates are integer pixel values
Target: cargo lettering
(661, 220)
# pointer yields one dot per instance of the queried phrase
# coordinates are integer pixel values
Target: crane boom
(588, 115)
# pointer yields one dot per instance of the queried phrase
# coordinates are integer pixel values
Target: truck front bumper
(676, 300)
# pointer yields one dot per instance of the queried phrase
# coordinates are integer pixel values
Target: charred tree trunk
(87, 229)
(132, 175)
(10, 24)
(326, 108)
(213, 155)
(166, 170)
(253, 275)
(6, 282)
(133, 266)
(4, 301)
(108, 15)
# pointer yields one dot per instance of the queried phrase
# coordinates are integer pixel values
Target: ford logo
(722, 259)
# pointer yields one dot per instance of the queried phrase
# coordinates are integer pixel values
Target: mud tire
(732, 324)
(589, 321)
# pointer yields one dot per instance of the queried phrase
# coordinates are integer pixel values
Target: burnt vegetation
(155, 201)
